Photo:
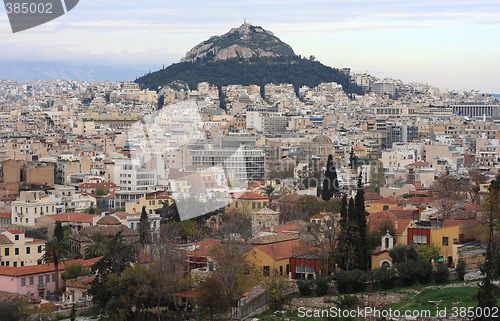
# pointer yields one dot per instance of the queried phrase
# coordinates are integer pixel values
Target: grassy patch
(432, 299)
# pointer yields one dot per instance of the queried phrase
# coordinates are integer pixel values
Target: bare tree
(450, 191)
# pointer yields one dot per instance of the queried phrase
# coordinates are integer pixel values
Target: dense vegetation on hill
(257, 71)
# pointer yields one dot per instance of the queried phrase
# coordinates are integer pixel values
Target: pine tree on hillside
(330, 182)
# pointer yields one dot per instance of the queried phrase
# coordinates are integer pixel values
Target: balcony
(41, 286)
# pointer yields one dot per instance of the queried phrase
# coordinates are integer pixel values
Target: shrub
(350, 282)
(304, 287)
(347, 302)
(424, 272)
(321, 286)
(460, 269)
(385, 277)
(441, 273)
(408, 272)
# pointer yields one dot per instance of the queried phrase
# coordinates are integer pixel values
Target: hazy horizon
(448, 44)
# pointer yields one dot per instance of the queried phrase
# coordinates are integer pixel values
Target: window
(53, 277)
(32, 280)
(28, 250)
(253, 205)
(445, 241)
(7, 263)
(39, 249)
(22, 263)
(40, 279)
(16, 251)
(16, 237)
(47, 278)
(23, 281)
(7, 252)
(420, 239)
(266, 270)
(281, 269)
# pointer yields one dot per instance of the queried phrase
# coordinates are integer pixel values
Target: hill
(246, 55)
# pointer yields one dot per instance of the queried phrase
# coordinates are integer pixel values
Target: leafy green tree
(74, 270)
(117, 258)
(350, 281)
(38, 233)
(56, 251)
(377, 176)
(15, 310)
(402, 253)
(330, 182)
(277, 287)
(268, 189)
(429, 253)
(386, 277)
(211, 298)
(101, 190)
(144, 228)
(59, 231)
(97, 245)
(168, 212)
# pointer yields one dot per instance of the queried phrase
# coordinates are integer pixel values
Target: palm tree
(56, 251)
(97, 245)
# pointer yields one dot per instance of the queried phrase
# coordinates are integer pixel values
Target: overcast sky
(450, 44)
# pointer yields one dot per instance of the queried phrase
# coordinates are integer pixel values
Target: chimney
(396, 225)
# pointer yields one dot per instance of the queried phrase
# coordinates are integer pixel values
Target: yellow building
(246, 203)
(451, 235)
(17, 250)
(381, 205)
(152, 202)
(274, 257)
(30, 206)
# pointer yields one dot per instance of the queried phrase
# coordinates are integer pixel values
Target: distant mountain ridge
(29, 71)
(247, 55)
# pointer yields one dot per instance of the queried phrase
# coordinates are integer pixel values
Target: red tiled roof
(248, 196)
(388, 200)
(186, 294)
(15, 231)
(369, 196)
(204, 247)
(73, 217)
(5, 215)
(96, 185)
(280, 251)
(421, 164)
(42, 268)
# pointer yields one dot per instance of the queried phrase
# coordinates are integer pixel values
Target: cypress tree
(144, 228)
(59, 231)
(361, 222)
(330, 182)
